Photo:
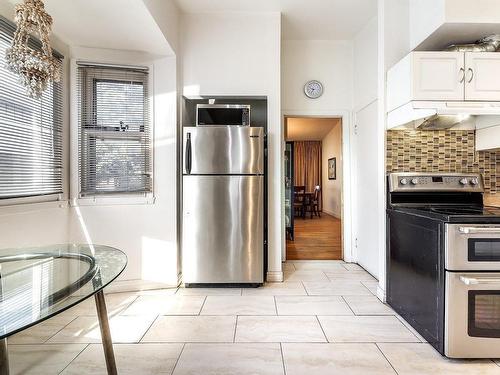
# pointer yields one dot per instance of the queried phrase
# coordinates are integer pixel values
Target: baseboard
(274, 276)
(381, 294)
(137, 285)
(331, 213)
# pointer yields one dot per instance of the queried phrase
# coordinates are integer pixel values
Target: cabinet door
(438, 76)
(482, 78)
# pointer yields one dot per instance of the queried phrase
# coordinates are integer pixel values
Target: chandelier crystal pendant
(36, 68)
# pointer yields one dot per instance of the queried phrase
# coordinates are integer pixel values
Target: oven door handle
(479, 280)
(472, 230)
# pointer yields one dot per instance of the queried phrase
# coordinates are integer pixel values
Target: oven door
(471, 247)
(472, 315)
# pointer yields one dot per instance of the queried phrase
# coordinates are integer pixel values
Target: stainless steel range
(443, 261)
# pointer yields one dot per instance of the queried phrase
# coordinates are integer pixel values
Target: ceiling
(302, 19)
(112, 24)
(309, 129)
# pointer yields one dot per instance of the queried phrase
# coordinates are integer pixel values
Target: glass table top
(39, 282)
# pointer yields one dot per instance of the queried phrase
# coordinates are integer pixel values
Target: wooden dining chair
(299, 201)
(313, 204)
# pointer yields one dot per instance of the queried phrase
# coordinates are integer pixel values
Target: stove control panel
(435, 182)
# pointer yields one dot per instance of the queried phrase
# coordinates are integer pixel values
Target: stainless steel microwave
(222, 114)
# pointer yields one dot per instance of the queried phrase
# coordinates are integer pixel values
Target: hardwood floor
(316, 239)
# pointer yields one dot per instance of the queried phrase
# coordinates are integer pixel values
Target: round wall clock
(313, 89)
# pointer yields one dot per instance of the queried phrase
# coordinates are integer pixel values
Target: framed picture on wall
(332, 168)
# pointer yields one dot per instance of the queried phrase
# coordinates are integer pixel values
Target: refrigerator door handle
(188, 153)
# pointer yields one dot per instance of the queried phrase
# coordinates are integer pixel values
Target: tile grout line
(322, 330)
(235, 328)
(202, 306)
(282, 359)
(404, 325)
(178, 358)
(347, 303)
(46, 341)
(387, 359)
(303, 286)
(76, 356)
(149, 327)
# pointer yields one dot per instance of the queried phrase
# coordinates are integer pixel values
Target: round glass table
(37, 283)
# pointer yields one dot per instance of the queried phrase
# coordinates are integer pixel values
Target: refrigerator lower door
(222, 230)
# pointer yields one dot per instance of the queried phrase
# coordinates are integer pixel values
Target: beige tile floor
(325, 319)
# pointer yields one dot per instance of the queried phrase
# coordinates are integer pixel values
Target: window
(30, 132)
(114, 131)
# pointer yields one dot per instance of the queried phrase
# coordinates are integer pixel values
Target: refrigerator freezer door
(222, 234)
(223, 150)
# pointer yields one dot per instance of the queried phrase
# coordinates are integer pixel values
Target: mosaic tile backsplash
(442, 151)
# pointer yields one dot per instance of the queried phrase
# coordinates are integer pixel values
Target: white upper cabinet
(444, 77)
(438, 76)
(482, 78)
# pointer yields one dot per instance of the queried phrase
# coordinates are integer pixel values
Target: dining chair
(299, 200)
(313, 204)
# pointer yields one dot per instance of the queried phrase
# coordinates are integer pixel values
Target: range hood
(433, 115)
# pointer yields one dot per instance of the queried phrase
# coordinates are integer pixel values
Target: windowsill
(17, 206)
(113, 200)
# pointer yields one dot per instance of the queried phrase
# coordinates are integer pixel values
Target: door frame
(346, 212)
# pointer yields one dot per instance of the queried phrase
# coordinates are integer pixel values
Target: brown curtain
(307, 164)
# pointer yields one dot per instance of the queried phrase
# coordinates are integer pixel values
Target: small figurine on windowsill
(123, 126)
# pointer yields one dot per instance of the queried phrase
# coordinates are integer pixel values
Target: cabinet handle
(471, 76)
(462, 75)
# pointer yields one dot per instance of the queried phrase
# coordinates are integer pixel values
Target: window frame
(77, 199)
(51, 199)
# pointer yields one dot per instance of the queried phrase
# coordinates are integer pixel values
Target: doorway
(313, 188)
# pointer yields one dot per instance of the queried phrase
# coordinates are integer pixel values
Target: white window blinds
(114, 131)
(30, 132)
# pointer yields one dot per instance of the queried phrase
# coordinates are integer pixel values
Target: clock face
(313, 89)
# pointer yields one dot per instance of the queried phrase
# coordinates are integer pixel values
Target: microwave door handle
(188, 156)
(472, 230)
(480, 280)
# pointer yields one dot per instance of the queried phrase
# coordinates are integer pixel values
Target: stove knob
(474, 181)
(404, 181)
(414, 181)
(463, 181)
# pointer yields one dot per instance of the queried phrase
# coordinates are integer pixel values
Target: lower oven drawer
(471, 247)
(472, 315)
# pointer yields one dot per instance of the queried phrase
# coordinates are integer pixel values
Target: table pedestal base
(105, 334)
(4, 358)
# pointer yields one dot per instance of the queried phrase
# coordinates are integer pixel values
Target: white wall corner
(381, 294)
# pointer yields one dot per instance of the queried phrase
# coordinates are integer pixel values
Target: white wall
(367, 148)
(145, 232)
(426, 17)
(332, 189)
(166, 14)
(329, 62)
(368, 220)
(393, 39)
(452, 18)
(239, 54)
(365, 49)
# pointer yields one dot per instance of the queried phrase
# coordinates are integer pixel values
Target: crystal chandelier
(36, 68)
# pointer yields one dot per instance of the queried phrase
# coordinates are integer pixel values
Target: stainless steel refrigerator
(223, 205)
